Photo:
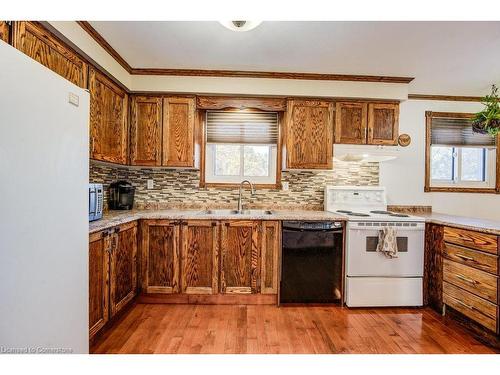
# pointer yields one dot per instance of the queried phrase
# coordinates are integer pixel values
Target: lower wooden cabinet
(99, 248)
(112, 273)
(160, 256)
(200, 257)
(123, 267)
(271, 244)
(209, 257)
(240, 252)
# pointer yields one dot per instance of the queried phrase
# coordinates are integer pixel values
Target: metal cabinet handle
(466, 279)
(465, 257)
(465, 304)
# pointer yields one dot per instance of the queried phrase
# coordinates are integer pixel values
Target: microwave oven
(95, 201)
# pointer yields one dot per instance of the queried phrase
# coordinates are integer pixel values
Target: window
(458, 159)
(241, 145)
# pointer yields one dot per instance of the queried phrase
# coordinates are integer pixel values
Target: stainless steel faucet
(240, 204)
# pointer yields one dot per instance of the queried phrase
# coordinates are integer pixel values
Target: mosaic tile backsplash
(179, 188)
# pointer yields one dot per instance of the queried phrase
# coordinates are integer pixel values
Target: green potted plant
(488, 120)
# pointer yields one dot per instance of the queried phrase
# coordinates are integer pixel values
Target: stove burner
(344, 211)
(398, 215)
(381, 212)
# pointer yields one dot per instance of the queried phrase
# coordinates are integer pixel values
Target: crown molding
(85, 25)
(450, 98)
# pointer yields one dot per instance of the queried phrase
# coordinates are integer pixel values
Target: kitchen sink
(236, 212)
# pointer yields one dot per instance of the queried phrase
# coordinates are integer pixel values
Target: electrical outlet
(285, 186)
(150, 184)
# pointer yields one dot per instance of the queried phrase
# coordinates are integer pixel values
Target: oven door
(364, 260)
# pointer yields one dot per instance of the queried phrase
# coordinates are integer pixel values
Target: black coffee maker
(121, 195)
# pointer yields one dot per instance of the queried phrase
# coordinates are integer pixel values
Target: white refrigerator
(44, 166)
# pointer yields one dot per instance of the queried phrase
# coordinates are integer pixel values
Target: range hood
(365, 153)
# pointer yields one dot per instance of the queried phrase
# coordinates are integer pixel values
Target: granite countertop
(480, 225)
(113, 218)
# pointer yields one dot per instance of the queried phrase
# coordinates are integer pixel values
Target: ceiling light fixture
(240, 25)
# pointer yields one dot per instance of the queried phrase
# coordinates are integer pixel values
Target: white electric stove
(372, 279)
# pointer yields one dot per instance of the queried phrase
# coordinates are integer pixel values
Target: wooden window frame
(202, 140)
(433, 189)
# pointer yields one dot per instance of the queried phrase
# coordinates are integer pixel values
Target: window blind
(242, 127)
(446, 131)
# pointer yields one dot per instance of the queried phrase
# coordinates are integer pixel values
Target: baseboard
(209, 299)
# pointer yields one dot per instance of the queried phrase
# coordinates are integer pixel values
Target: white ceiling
(454, 58)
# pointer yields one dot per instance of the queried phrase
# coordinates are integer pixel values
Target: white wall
(44, 166)
(404, 176)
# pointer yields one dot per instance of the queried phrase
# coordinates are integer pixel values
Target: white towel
(387, 243)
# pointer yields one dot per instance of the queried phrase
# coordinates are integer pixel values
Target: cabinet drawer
(475, 240)
(469, 257)
(475, 281)
(478, 309)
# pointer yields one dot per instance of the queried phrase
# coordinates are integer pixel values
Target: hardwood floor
(167, 328)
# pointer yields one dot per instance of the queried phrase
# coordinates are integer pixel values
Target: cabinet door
(271, 240)
(200, 257)
(309, 134)
(145, 130)
(350, 122)
(108, 120)
(4, 31)
(99, 248)
(160, 256)
(383, 123)
(39, 44)
(123, 268)
(240, 252)
(178, 132)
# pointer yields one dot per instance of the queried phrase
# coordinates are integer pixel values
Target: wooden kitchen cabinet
(351, 122)
(240, 253)
(383, 123)
(271, 244)
(367, 123)
(112, 273)
(160, 267)
(178, 132)
(123, 267)
(108, 119)
(200, 257)
(35, 41)
(4, 31)
(145, 130)
(99, 249)
(309, 134)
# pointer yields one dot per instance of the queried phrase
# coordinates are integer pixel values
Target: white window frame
(490, 171)
(212, 178)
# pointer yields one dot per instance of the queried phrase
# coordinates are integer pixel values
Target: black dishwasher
(311, 266)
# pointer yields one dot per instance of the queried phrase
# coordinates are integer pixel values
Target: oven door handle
(331, 230)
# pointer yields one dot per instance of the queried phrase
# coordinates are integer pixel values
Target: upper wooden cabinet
(4, 31)
(200, 257)
(350, 122)
(145, 130)
(309, 134)
(178, 132)
(367, 123)
(383, 123)
(240, 252)
(35, 41)
(108, 119)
